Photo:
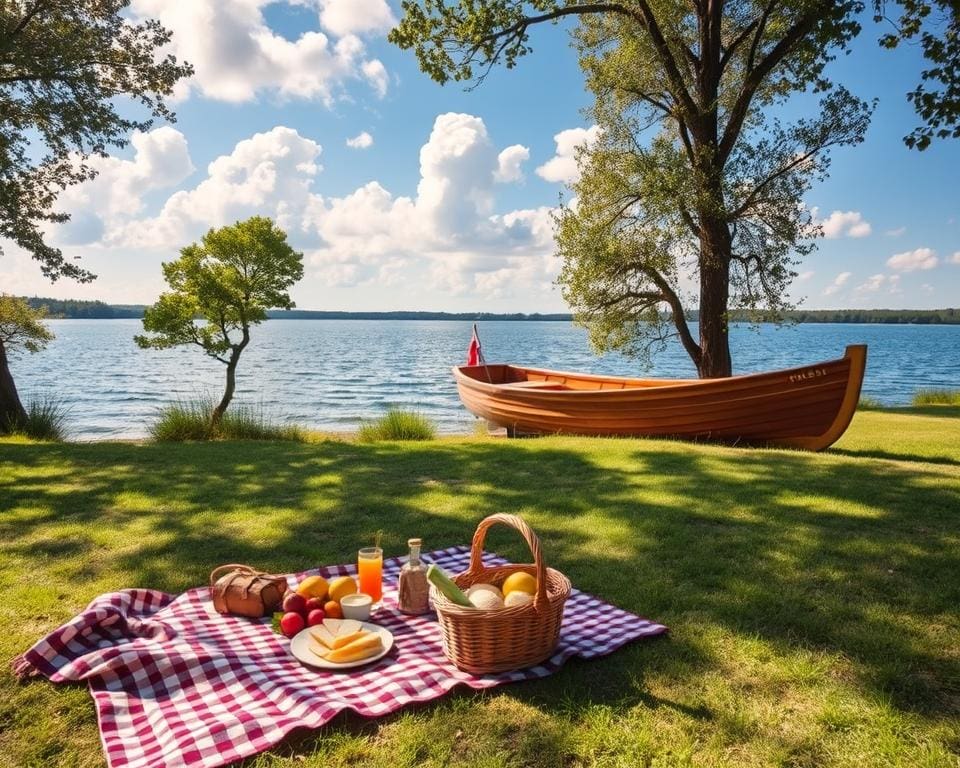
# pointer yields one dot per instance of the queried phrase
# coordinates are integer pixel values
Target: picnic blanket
(177, 684)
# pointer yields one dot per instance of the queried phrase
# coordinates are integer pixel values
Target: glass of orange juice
(370, 571)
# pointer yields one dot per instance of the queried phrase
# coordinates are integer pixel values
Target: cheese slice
(369, 644)
(332, 625)
(323, 636)
(349, 627)
(320, 650)
(343, 640)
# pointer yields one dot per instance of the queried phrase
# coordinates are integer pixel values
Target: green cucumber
(446, 585)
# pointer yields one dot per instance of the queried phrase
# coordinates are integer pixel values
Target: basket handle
(511, 521)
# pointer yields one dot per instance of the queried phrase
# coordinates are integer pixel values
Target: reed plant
(192, 420)
(47, 418)
(396, 424)
(868, 403)
(936, 397)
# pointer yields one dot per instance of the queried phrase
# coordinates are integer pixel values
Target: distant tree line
(84, 310)
(98, 310)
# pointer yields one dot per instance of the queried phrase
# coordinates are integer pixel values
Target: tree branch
(679, 317)
(755, 76)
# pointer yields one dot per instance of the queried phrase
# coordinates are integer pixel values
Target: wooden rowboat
(808, 407)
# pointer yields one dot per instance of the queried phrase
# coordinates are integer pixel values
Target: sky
(404, 194)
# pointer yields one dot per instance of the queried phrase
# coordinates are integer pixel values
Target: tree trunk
(714, 292)
(12, 411)
(228, 390)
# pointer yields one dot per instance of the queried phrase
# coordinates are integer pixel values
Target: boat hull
(807, 407)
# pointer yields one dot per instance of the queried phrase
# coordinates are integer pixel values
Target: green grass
(936, 397)
(812, 599)
(47, 419)
(868, 403)
(397, 425)
(190, 420)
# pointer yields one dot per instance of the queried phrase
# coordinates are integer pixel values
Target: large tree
(693, 174)
(229, 280)
(21, 329)
(67, 68)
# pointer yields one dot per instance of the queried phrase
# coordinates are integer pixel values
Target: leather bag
(244, 591)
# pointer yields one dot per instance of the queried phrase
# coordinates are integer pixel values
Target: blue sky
(446, 205)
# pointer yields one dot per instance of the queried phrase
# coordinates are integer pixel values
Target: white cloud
(562, 167)
(161, 160)
(345, 17)
(838, 282)
(269, 174)
(927, 288)
(873, 284)
(376, 75)
(447, 236)
(804, 276)
(876, 283)
(896, 232)
(450, 227)
(510, 162)
(844, 224)
(237, 56)
(955, 259)
(362, 140)
(911, 261)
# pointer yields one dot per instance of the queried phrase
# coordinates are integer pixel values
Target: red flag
(474, 352)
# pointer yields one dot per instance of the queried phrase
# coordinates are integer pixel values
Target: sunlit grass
(397, 425)
(191, 420)
(812, 599)
(936, 397)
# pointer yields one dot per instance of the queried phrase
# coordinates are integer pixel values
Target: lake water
(331, 374)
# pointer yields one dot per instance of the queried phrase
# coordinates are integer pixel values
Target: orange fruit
(342, 586)
(520, 581)
(332, 610)
(313, 586)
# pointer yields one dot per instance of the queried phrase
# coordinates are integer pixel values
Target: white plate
(299, 647)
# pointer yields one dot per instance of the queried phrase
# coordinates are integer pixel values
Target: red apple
(316, 616)
(313, 604)
(294, 603)
(291, 623)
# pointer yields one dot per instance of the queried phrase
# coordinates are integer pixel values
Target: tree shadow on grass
(849, 557)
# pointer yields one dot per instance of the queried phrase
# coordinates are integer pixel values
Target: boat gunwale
(675, 384)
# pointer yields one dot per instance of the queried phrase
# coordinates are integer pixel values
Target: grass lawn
(814, 600)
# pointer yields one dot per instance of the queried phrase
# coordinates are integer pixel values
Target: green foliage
(397, 425)
(191, 420)
(936, 397)
(63, 65)
(936, 25)
(21, 326)
(228, 281)
(46, 419)
(868, 403)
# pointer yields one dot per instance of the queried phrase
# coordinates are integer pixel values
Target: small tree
(229, 281)
(21, 328)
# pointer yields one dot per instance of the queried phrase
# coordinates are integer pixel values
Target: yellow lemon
(342, 586)
(520, 581)
(313, 586)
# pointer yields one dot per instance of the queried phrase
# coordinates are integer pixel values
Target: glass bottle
(413, 589)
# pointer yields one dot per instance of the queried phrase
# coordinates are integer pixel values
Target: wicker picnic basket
(484, 641)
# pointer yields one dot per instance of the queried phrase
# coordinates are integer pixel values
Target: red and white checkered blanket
(177, 684)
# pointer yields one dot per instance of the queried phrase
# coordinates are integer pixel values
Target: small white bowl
(356, 606)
